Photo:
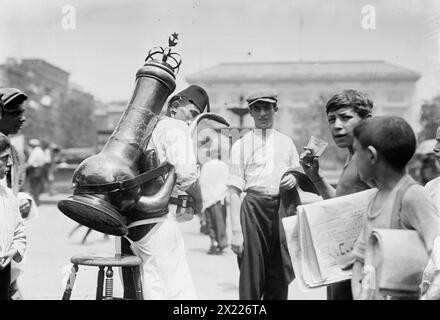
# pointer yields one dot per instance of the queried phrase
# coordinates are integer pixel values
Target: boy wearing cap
(158, 240)
(258, 161)
(11, 121)
(345, 110)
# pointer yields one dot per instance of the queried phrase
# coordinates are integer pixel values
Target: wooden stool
(117, 260)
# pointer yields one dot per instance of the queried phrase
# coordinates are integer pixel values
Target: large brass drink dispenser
(107, 186)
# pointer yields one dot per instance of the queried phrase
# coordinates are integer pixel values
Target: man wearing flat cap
(11, 121)
(259, 161)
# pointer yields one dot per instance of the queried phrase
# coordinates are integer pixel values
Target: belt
(182, 201)
(262, 194)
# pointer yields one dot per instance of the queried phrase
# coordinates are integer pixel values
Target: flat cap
(9, 95)
(266, 95)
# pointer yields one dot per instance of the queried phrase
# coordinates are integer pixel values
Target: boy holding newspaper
(382, 148)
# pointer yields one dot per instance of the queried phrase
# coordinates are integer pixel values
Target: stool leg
(99, 288)
(136, 271)
(70, 283)
(109, 284)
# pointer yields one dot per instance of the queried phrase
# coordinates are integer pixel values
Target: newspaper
(324, 239)
(291, 229)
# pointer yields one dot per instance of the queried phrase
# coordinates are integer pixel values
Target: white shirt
(36, 157)
(213, 179)
(47, 156)
(12, 230)
(259, 159)
(433, 188)
(172, 141)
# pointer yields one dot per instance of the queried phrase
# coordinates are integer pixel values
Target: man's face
(4, 158)
(185, 113)
(437, 145)
(342, 123)
(263, 114)
(362, 158)
(12, 121)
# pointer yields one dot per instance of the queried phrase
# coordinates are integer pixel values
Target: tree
(40, 123)
(429, 119)
(76, 124)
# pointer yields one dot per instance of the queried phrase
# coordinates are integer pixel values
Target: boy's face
(185, 113)
(342, 122)
(362, 158)
(4, 158)
(263, 114)
(12, 121)
(437, 145)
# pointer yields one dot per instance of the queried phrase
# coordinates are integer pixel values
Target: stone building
(298, 84)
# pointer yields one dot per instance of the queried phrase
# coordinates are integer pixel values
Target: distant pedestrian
(213, 179)
(35, 169)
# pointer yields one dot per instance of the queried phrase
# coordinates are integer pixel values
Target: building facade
(57, 110)
(299, 84)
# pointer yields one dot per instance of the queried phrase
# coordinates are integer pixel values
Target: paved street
(49, 251)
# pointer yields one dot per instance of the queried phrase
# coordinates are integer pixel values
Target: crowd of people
(251, 186)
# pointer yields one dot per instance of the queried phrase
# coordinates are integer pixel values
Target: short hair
(178, 102)
(392, 136)
(5, 143)
(359, 101)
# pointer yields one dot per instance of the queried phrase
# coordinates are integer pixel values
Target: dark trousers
(5, 281)
(216, 220)
(340, 291)
(261, 265)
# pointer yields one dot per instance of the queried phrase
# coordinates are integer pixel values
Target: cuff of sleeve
(186, 177)
(236, 181)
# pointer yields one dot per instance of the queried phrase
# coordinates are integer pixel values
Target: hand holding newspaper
(320, 239)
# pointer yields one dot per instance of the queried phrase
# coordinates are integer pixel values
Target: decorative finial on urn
(173, 39)
(171, 59)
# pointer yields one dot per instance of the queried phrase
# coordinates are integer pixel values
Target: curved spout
(156, 202)
(209, 116)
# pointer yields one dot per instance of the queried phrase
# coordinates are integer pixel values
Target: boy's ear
(173, 110)
(372, 154)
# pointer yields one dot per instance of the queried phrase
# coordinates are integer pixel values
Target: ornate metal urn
(108, 185)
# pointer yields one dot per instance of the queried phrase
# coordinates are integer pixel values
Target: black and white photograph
(205, 150)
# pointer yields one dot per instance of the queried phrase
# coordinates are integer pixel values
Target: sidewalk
(49, 250)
